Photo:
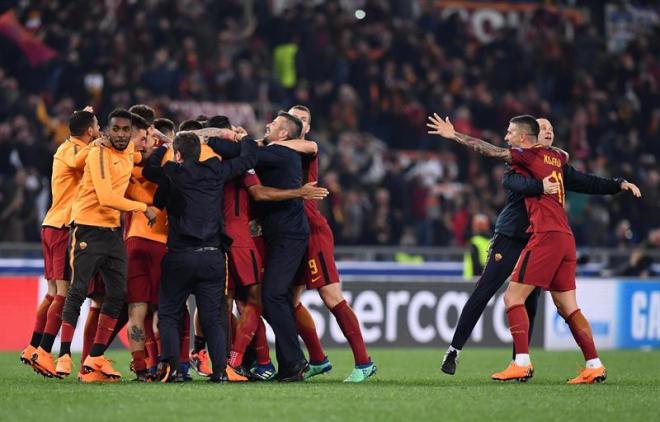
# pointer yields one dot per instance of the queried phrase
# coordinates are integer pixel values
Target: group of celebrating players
(101, 193)
(106, 217)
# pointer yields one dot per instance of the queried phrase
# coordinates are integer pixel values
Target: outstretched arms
(577, 181)
(445, 129)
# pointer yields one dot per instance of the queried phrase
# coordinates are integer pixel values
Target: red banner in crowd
(485, 18)
(34, 49)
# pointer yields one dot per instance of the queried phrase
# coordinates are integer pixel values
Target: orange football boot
(26, 354)
(101, 364)
(63, 368)
(91, 376)
(44, 364)
(94, 376)
(233, 376)
(514, 372)
(201, 363)
(589, 376)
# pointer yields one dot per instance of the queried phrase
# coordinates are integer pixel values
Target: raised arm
(161, 136)
(445, 129)
(212, 132)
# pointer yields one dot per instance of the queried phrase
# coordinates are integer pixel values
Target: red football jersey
(311, 174)
(236, 208)
(546, 213)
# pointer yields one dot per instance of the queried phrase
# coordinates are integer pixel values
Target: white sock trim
(522, 359)
(593, 363)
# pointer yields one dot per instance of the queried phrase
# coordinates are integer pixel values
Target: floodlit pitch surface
(409, 386)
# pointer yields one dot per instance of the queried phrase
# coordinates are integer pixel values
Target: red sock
(139, 364)
(184, 351)
(519, 326)
(54, 319)
(67, 332)
(582, 334)
(40, 322)
(307, 330)
(350, 326)
(150, 340)
(245, 330)
(260, 344)
(90, 331)
(105, 329)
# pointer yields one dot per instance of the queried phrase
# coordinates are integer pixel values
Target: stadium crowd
(370, 84)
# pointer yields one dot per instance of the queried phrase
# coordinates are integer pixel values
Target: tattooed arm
(483, 147)
(445, 129)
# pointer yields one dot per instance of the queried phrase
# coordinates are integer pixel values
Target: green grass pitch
(408, 386)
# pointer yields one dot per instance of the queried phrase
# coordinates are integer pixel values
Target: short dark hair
(164, 125)
(305, 109)
(219, 122)
(202, 118)
(120, 113)
(144, 111)
(138, 122)
(527, 123)
(294, 126)
(80, 121)
(190, 125)
(188, 145)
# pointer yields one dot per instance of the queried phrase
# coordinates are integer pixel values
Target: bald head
(546, 132)
(480, 223)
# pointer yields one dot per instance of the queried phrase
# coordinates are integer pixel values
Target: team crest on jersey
(82, 245)
(498, 257)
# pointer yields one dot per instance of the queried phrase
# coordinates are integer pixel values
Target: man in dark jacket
(195, 262)
(286, 232)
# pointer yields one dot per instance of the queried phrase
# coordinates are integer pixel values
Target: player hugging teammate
(547, 260)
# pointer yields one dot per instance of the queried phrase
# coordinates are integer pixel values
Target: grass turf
(408, 385)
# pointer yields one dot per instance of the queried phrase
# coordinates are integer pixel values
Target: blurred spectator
(370, 85)
(639, 265)
(476, 253)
